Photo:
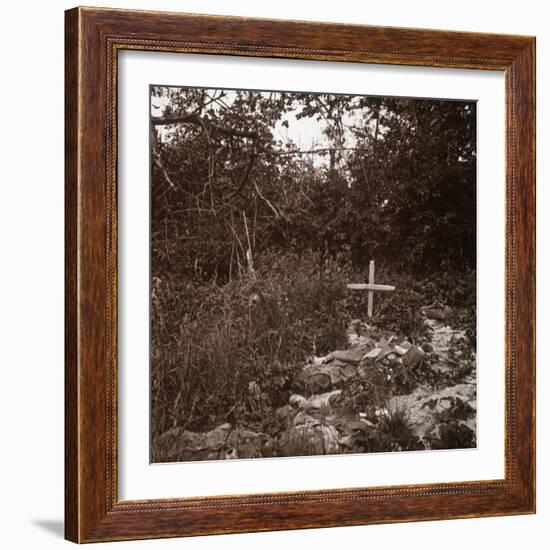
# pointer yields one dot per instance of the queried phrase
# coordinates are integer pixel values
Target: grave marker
(371, 287)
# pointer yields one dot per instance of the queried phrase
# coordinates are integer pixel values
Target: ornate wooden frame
(93, 511)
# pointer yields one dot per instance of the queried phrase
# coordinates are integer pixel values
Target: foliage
(453, 435)
(399, 183)
(234, 352)
(253, 240)
(211, 341)
(392, 432)
(396, 425)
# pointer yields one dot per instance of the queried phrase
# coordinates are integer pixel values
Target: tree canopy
(382, 177)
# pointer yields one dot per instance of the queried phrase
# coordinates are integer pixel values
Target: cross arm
(371, 286)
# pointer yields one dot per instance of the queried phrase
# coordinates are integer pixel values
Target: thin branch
(277, 214)
(238, 240)
(197, 120)
(160, 166)
(189, 118)
(311, 151)
(249, 258)
(155, 154)
(246, 173)
(213, 99)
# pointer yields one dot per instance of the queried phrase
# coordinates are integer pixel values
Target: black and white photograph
(312, 274)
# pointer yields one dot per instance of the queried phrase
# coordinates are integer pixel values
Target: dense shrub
(233, 352)
(210, 342)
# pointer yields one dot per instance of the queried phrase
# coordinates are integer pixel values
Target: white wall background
(31, 270)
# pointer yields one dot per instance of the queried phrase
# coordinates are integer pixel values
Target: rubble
(426, 410)
(224, 441)
(309, 436)
(321, 378)
(324, 421)
(358, 333)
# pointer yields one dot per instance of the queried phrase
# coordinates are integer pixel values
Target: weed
(233, 351)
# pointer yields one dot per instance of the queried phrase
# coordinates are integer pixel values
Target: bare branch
(312, 151)
(155, 154)
(197, 120)
(160, 166)
(189, 118)
(277, 215)
(246, 173)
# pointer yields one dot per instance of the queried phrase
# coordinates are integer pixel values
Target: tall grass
(211, 342)
(232, 352)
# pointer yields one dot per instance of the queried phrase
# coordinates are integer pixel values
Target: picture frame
(94, 37)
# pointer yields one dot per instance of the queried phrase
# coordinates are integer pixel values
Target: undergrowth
(232, 352)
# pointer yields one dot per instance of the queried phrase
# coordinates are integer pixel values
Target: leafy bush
(232, 352)
(210, 342)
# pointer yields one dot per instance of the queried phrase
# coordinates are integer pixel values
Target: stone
(323, 400)
(309, 437)
(223, 442)
(352, 355)
(315, 380)
(373, 353)
(426, 409)
(304, 419)
(322, 360)
(297, 401)
(321, 378)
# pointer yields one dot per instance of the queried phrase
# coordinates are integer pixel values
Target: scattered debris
(352, 355)
(358, 333)
(224, 441)
(309, 436)
(322, 360)
(403, 347)
(326, 400)
(333, 417)
(297, 401)
(413, 357)
(320, 378)
(427, 409)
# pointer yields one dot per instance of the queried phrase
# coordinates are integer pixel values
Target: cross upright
(371, 287)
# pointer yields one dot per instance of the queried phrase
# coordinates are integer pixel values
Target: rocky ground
(382, 393)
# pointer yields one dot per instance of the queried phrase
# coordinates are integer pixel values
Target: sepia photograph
(312, 274)
(299, 277)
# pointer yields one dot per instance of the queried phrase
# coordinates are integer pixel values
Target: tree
(393, 178)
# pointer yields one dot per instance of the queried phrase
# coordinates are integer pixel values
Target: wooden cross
(371, 287)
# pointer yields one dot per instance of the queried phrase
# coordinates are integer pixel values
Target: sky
(304, 132)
